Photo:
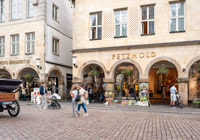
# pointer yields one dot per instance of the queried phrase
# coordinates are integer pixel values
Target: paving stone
(103, 123)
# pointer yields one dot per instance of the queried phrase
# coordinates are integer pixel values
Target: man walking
(42, 95)
(173, 92)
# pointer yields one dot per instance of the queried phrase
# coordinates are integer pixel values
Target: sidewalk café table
(196, 101)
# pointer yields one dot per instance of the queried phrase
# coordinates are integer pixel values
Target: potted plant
(126, 73)
(162, 70)
(94, 73)
(109, 94)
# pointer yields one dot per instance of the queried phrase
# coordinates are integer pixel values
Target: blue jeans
(84, 107)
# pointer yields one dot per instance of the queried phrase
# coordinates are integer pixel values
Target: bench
(197, 102)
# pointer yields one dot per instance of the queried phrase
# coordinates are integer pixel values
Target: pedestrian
(84, 96)
(90, 93)
(42, 95)
(54, 89)
(23, 93)
(173, 92)
(74, 92)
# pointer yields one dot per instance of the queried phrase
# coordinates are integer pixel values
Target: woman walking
(84, 96)
(74, 93)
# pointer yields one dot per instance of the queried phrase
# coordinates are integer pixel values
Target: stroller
(179, 101)
(54, 104)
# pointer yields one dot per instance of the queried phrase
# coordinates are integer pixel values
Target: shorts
(173, 97)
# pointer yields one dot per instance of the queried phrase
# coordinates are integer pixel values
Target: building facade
(155, 42)
(36, 42)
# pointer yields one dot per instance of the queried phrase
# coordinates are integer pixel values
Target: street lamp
(74, 61)
(38, 63)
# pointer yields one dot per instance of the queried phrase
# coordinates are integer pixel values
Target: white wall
(61, 29)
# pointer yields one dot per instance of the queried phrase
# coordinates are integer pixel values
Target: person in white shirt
(84, 96)
(173, 92)
(74, 93)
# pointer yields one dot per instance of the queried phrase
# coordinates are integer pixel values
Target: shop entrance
(162, 76)
(126, 80)
(4, 74)
(53, 81)
(194, 81)
(93, 76)
(30, 80)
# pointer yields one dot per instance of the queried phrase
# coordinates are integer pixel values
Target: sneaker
(78, 113)
(86, 114)
(45, 107)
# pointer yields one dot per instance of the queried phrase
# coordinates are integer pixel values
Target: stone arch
(19, 71)
(8, 71)
(112, 70)
(61, 81)
(164, 58)
(80, 73)
(191, 62)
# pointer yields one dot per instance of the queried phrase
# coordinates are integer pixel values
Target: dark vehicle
(8, 87)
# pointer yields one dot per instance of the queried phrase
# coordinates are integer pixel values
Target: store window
(16, 9)
(2, 10)
(2, 45)
(55, 12)
(30, 43)
(177, 17)
(29, 8)
(96, 26)
(55, 46)
(121, 23)
(14, 44)
(148, 20)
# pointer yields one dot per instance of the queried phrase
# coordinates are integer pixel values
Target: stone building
(36, 42)
(142, 37)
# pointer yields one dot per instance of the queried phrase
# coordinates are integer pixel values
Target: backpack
(78, 97)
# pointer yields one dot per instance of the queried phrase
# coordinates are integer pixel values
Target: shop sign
(134, 55)
(11, 62)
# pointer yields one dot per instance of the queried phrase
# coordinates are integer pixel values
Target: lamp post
(38, 63)
(74, 61)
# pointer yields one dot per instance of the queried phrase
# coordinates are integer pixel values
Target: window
(148, 20)
(14, 44)
(96, 26)
(55, 12)
(2, 45)
(177, 23)
(29, 8)
(16, 9)
(2, 10)
(30, 43)
(121, 23)
(55, 46)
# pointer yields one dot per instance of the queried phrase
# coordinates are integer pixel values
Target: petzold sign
(133, 55)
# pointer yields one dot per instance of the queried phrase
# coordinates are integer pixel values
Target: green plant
(28, 78)
(126, 73)
(199, 70)
(4, 76)
(162, 70)
(94, 72)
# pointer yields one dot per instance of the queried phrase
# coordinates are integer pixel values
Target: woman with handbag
(83, 97)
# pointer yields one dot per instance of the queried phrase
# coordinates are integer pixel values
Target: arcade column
(183, 89)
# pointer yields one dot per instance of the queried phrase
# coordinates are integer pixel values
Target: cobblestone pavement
(34, 123)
